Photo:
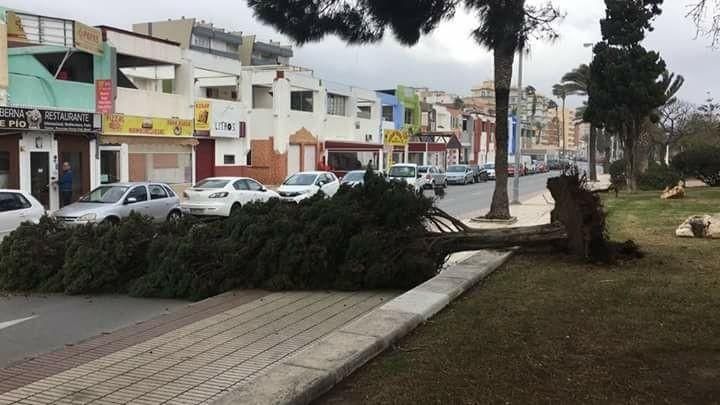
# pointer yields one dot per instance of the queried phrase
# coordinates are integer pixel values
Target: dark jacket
(66, 180)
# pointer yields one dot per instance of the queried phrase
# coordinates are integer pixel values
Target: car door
(159, 203)
(241, 192)
(331, 184)
(14, 210)
(257, 191)
(137, 201)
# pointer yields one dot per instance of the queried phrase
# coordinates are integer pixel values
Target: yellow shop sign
(120, 124)
(395, 137)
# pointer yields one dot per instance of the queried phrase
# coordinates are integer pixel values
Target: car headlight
(88, 217)
(221, 194)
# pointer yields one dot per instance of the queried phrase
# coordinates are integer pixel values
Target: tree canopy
(705, 14)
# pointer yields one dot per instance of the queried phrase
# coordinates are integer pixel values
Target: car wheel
(174, 216)
(111, 221)
(235, 209)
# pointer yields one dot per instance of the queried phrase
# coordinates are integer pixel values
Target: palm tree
(577, 81)
(561, 92)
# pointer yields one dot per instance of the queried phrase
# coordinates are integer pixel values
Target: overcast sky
(446, 60)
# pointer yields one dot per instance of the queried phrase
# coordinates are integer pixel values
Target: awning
(146, 140)
(427, 147)
(352, 146)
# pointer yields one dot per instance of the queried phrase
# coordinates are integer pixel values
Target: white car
(17, 207)
(220, 196)
(407, 173)
(304, 185)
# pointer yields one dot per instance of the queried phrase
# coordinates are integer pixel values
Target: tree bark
(629, 151)
(564, 145)
(503, 58)
(477, 239)
(592, 153)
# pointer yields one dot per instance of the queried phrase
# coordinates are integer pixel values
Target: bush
(365, 237)
(658, 177)
(700, 162)
(617, 173)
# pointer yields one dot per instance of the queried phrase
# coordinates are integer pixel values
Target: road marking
(7, 324)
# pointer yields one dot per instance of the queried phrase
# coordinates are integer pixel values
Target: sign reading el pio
(395, 137)
(120, 124)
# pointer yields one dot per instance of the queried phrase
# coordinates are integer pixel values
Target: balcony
(152, 104)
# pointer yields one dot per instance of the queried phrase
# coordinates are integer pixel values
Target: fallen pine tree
(378, 235)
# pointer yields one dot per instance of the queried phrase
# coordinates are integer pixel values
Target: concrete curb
(317, 369)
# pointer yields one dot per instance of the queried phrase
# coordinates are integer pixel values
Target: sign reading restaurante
(27, 119)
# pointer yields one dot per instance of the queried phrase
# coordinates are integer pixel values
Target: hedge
(364, 237)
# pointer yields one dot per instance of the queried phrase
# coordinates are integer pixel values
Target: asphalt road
(474, 199)
(39, 323)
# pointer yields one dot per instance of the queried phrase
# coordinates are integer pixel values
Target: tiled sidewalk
(187, 358)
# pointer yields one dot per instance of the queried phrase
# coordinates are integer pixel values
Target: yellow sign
(88, 39)
(120, 124)
(202, 115)
(395, 137)
(15, 30)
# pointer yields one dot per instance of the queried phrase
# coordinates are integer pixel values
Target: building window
(229, 159)
(409, 117)
(387, 113)
(202, 42)
(364, 111)
(336, 105)
(465, 124)
(301, 101)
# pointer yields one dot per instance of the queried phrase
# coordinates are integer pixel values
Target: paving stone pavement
(191, 358)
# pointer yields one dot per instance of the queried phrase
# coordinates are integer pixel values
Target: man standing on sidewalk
(65, 185)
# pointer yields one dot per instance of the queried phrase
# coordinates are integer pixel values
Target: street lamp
(518, 131)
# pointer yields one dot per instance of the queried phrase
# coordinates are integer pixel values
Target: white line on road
(8, 324)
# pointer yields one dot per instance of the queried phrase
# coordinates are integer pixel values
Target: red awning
(429, 147)
(352, 146)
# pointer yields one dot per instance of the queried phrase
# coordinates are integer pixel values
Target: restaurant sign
(219, 119)
(120, 124)
(28, 119)
(395, 137)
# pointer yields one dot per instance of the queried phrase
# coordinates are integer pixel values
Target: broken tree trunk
(577, 224)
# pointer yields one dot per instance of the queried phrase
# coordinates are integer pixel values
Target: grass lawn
(546, 328)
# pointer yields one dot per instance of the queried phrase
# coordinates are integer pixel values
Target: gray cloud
(448, 59)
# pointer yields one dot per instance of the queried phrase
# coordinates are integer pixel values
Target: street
(474, 199)
(39, 323)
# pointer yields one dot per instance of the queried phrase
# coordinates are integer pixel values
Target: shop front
(147, 149)
(395, 144)
(221, 134)
(34, 144)
(343, 156)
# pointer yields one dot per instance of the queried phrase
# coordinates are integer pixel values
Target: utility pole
(518, 132)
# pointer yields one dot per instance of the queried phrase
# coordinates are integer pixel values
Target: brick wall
(268, 166)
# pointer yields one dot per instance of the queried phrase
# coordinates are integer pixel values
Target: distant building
(205, 37)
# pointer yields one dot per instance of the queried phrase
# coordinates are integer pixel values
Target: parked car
(111, 202)
(406, 173)
(357, 177)
(302, 185)
(460, 174)
(490, 169)
(432, 177)
(220, 196)
(16, 207)
(541, 167)
(479, 173)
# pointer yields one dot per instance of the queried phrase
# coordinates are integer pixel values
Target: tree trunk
(503, 57)
(477, 239)
(629, 152)
(592, 152)
(564, 145)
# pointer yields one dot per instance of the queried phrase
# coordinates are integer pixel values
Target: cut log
(477, 239)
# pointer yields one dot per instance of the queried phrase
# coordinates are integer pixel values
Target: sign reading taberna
(33, 119)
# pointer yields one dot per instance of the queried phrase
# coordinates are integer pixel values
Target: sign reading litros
(218, 118)
(50, 120)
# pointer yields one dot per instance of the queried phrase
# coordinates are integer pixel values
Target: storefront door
(40, 177)
(109, 166)
(75, 149)
(309, 160)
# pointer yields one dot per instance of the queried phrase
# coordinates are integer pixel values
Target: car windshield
(402, 171)
(354, 176)
(105, 195)
(423, 169)
(456, 169)
(300, 179)
(490, 166)
(212, 183)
